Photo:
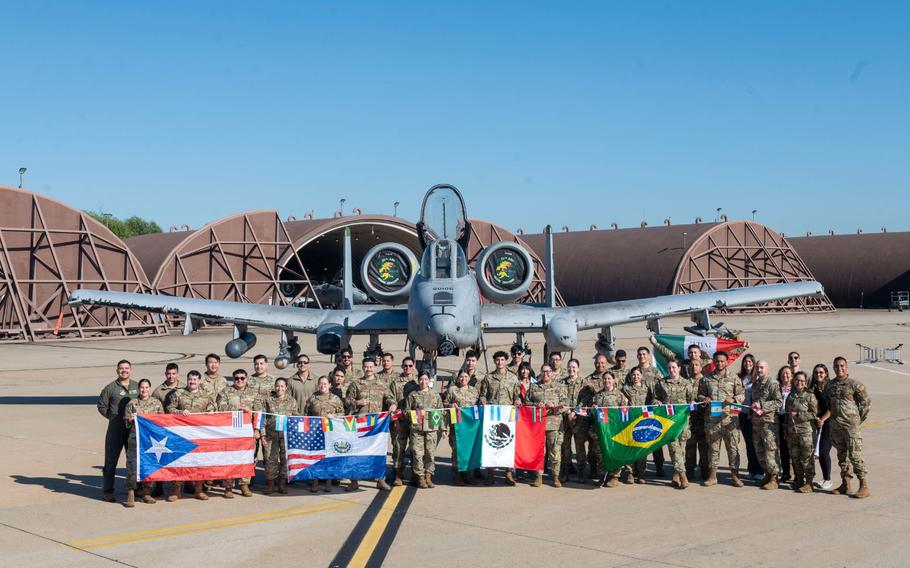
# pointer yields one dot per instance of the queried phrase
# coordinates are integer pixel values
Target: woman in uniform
(280, 403)
(326, 404)
(145, 404)
(460, 395)
(423, 430)
(638, 394)
(610, 396)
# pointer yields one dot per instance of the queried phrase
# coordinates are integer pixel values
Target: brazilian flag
(628, 437)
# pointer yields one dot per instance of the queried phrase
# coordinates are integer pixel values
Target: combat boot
(228, 489)
(630, 479)
(459, 481)
(245, 491)
(269, 487)
(176, 492)
(509, 479)
(353, 486)
(863, 490)
(675, 481)
(683, 481)
(711, 479)
(538, 479)
(146, 497)
(282, 486)
(488, 479)
(556, 482)
(398, 481)
(772, 484)
(613, 482)
(421, 482)
(326, 487)
(314, 486)
(380, 483)
(735, 480)
(430, 481)
(130, 499)
(806, 488)
(844, 488)
(200, 492)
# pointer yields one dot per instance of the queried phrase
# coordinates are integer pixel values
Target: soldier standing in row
(281, 403)
(697, 444)
(638, 393)
(459, 396)
(848, 406)
(370, 395)
(263, 383)
(572, 383)
(470, 365)
(145, 404)
(326, 404)
(802, 410)
(766, 401)
(190, 400)
(500, 387)
(608, 396)
(650, 375)
(724, 386)
(423, 430)
(551, 395)
(346, 362)
(387, 370)
(112, 405)
(586, 446)
(559, 373)
(302, 384)
(212, 382)
(401, 386)
(342, 389)
(676, 390)
(171, 383)
(238, 396)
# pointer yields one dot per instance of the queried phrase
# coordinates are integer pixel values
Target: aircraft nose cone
(444, 326)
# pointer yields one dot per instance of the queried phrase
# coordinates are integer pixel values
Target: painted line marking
(216, 524)
(885, 370)
(371, 538)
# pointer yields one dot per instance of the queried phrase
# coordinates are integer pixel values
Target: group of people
(783, 418)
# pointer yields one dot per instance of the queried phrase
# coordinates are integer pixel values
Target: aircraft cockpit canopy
(443, 215)
(444, 259)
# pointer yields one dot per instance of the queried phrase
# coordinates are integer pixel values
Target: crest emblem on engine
(388, 265)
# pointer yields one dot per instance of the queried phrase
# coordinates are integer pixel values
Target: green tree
(126, 228)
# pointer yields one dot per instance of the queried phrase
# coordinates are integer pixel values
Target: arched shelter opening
(47, 251)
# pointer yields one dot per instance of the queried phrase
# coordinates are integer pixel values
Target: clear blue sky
(184, 112)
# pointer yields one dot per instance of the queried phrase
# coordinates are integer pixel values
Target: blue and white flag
(317, 452)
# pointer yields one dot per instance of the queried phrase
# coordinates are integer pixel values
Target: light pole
(396, 204)
(754, 211)
(341, 206)
(717, 216)
(21, 173)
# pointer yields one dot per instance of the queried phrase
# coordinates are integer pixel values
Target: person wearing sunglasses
(302, 384)
(401, 385)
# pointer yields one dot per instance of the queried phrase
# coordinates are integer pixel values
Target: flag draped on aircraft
(679, 344)
(195, 447)
(323, 448)
(627, 441)
(497, 436)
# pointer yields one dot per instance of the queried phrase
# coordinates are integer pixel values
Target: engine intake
(504, 272)
(387, 272)
(331, 338)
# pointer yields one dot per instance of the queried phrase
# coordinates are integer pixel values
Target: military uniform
(138, 407)
(301, 388)
(401, 386)
(499, 388)
(263, 385)
(423, 434)
(325, 405)
(706, 359)
(603, 398)
(277, 465)
(766, 394)
(352, 374)
(638, 395)
(460, 397)
(162, 392)
(650, 376)
(720, 386)
(554, 397)
(344, 393)
(849, 405)
(212, 384)
(586, 445)
(387, 375)
(112, 404)
(697, 444)
(800, 435)
(677, 391)
(568, 427)
(232, 398)
(192, 402)
(374, 391)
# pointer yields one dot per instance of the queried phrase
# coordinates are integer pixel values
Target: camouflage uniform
(352, 374)
(277, 463)
(325, 405)
(263, 385)
(387, 376)
(586, 445)
(719, 386)
(149, 406)
(697, 444)
(766, 393)
(212, 384)
(614, 397)
(233, 398)
(801, 433)
(849, 405)
(500, 389)
(423, 432)
(301, 388)
(376, 392)
(192, 402)
(401, 386)
(344, 393)
(568, 427)
(676, 391)
(552, 395)
(163, 392)
(460, 397)
(638, 395)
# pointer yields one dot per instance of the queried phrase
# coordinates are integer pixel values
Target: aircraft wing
(289, 318)
(518, 317)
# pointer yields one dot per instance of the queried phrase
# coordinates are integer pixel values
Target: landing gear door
(443, 216)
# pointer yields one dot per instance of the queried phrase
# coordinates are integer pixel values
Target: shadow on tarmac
(49, 400)
(71, 484)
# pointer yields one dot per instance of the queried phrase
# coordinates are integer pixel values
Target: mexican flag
(679, 344)
(500, 436)
(626, 437)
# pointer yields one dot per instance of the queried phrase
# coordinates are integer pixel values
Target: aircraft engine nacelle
(237, 347)
(561, 334)
(504, 272)
(387, 272)
(331, 338)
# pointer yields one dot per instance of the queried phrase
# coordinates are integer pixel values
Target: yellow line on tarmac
(371, 538)
(177, 530)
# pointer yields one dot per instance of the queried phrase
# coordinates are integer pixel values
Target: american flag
(304, 448)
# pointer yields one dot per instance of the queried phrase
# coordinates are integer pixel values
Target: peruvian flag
(679, 344)
(510, 439)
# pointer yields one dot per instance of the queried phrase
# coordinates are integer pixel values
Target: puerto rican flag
(195, 447)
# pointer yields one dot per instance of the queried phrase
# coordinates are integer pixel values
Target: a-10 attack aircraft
(443, 311)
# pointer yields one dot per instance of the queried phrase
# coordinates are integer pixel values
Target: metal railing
(869, 354)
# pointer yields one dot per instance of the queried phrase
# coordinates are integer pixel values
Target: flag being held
(627, 440)
(497, 436)
(327, 449)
